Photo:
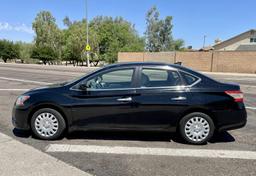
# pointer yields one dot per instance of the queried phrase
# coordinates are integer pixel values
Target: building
(242, 42)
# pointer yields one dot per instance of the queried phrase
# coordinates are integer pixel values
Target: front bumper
(20, 118)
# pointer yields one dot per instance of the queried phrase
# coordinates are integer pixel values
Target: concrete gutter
(17, 158)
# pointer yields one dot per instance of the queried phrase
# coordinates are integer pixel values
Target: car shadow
(224, 137)
(21, 133)
(119, 135)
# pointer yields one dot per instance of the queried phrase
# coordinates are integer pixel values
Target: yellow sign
(88, 48)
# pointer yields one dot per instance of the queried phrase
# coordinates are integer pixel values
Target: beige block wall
(241, 62)
(166, 57)
(218, 61)
(131, 57)
(196, 60)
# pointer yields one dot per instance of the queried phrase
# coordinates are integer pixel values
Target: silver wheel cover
(197, 129)
(46, 124)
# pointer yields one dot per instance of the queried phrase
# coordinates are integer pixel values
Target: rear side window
(189, 79)
(159, 78)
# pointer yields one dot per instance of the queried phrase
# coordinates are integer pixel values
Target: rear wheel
(196, 128)
(47, 124)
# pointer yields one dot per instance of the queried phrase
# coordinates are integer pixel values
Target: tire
(47, 124)
(196, 128)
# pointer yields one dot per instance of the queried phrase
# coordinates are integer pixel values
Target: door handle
(127, 99)
(179, 98)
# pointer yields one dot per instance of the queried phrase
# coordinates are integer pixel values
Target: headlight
(21, 100)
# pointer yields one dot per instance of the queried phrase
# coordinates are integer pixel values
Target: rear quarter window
(189, 79)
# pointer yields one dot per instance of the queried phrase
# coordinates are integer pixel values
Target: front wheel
(47, 124)
(196, 128)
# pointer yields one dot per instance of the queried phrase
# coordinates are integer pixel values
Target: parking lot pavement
(79, 148)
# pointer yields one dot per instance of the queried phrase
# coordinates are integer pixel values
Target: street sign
(88, 48)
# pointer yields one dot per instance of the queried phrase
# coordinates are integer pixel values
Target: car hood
(47, 88)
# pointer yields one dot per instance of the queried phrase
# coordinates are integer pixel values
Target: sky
(192, 19)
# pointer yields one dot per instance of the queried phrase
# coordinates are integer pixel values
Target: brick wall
(241, 62)
(196, 60)
(218, 61)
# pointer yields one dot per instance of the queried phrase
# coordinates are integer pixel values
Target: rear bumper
(230, 119)
(232, 126)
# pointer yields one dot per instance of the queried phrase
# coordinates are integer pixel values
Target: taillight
(236, 94)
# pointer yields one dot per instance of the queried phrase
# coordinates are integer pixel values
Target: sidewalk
(230, 74)
(62, 69)
(17, 158)
(79, 69)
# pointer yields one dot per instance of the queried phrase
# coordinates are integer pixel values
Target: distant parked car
(134, 96)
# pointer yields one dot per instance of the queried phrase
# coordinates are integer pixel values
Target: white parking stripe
(253, 108)
(201, 153)
(14, 90)
(23, 80)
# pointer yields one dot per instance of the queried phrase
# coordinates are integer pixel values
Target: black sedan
(134, 96)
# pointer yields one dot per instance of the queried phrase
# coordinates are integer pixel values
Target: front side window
(159, 78)
(117, 79)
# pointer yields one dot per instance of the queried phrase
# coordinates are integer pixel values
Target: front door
(107, 102)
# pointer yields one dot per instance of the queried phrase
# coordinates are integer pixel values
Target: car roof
(122, 64)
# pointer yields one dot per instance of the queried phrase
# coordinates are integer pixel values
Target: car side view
(134, 96)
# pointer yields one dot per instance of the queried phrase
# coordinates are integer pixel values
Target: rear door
(162, 97)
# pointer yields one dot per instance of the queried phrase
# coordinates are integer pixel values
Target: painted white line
(201, 153)
(23, 80)
(248, 107)
(14, 90)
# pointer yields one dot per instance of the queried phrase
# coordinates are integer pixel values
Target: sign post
(87, 36)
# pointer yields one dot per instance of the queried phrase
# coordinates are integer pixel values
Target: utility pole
(204, 41)
(87, 34)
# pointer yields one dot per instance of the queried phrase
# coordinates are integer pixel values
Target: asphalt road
(16, 79)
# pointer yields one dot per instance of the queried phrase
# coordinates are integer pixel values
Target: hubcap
(46, 124)
(197, 129)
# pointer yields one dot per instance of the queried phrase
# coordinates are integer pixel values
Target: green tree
(25, 51)
(107, 37)
(74, 41)
(158, 35)
(48, 37)
(9, 50)
(44, 53)
(113, 36)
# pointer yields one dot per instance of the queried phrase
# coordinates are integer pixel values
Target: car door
(107, 100)
(162, 97)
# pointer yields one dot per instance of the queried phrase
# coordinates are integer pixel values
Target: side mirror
(83, 87)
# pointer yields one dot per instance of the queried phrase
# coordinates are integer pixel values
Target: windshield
(83, 76)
